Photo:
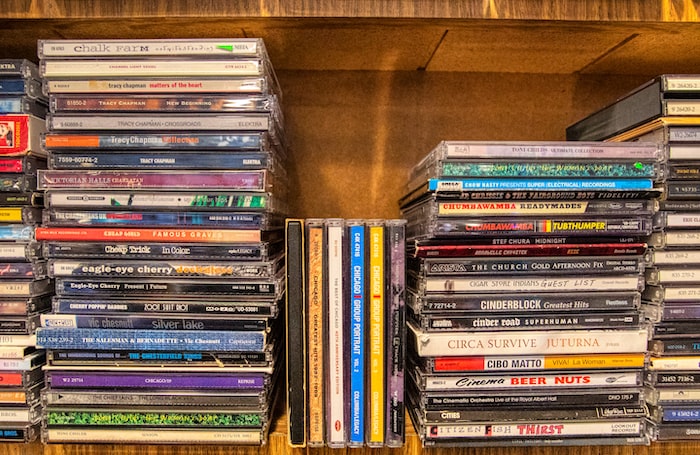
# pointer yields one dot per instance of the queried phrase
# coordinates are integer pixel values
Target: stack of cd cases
(673, 287)
(525, 272)
(21, 90)
(672, 292)
(25, 289)
(346, 332)
(164, 223)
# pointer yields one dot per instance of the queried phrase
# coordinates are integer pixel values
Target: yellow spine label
(376, 335)
(11, 215)
(315, 334)
(593, 361)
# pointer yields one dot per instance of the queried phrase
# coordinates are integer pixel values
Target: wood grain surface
(574, 10)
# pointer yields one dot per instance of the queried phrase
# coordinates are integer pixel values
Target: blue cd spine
(154, 340)
(357, 340)
(452, 185)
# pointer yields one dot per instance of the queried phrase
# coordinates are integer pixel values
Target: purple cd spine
(396, 333)
(156, 380)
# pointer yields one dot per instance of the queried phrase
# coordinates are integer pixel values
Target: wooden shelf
(573, 10)
(371, 86)
(513, 36)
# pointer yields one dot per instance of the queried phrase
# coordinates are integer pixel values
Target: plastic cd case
(155, 339)
(241, 400)
(165, 103)
(18, 183)
(25, 288)
(29, 361)
(170, 416)
(442, 168)
(21, 397)
(252, 251)
(95, 218)
(18, 68)
(22, 105)
(26, 134)
(161, 67)
(27, 164)
(115, 85)
(10, 306)
(529, 399)
(156, 379)
(21, 86)
(499, 303)
(553, 265)
(559, 380)
(659, 294)
(21, 378)
(175, 269)
(264, 288)
(125, 200)
(259, 180)
(432, 206)
(244, 141)
(240, 360)
(153, 436)
(25, 324)
(598, 151)
(164, 160)
(23, 215)
(189, 47)
(171, 122)
(444, 227)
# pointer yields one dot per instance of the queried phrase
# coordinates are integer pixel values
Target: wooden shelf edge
(564, 10)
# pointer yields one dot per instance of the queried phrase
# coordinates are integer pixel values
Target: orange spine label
(13, 397)
(69, 140)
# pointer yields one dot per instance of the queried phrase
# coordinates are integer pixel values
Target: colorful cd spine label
(69, 234)
(160, 103)
(72, 338)
(376, 327)
(315, 335)
(567, 150)
(536, 363)
(530, 169)
(55, 141)
(161, 161)
(535, 429)
(458, 185)
(127, 122)
(395, 333)
(110, 180)
(85, 380)
(153, 436)
(182, 85)
(613, 378)
(214, 48)
(51, 69)
(529, 342)
(336, 336)
(26, 131)
(357, 335)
